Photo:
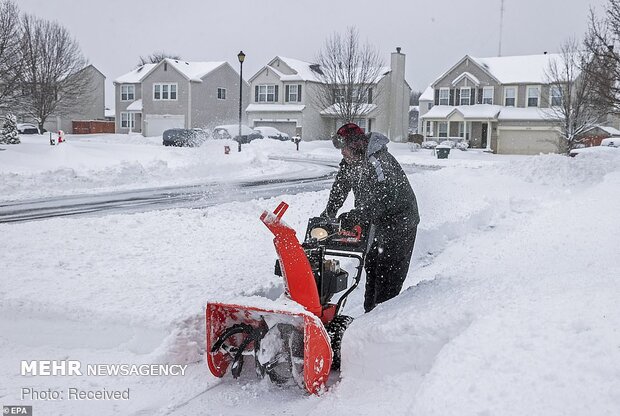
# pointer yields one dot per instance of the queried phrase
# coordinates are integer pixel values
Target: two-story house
(283, 91)
(501, 104)
(177, 94)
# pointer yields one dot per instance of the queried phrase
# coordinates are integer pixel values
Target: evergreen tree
(9, 134)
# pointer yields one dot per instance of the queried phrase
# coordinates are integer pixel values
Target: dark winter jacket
(382, 191)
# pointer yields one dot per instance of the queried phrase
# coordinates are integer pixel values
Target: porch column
(464, 129)
(488, 149)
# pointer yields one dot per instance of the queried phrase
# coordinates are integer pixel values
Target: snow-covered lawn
(511, 304)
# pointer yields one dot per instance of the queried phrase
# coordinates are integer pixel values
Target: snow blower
(295, 339)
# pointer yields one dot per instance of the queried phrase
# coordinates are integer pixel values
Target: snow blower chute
(295, 339)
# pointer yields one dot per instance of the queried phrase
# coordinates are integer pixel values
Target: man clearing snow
(383, 197)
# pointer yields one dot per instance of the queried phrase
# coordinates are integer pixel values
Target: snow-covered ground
(510, 308)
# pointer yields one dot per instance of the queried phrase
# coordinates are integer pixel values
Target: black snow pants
(387, 263)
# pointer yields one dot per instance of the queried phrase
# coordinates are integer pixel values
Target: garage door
(284, 126)
(155, 125)
(527, 142)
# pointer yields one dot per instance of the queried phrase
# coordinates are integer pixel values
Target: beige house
(282, 94)
(177, 94)
(501, 104)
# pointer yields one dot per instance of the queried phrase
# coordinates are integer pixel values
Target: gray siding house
(177, 94)
(91, 105)
(501, 104)
(282, 94)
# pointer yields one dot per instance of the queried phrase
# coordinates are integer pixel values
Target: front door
(483, 142)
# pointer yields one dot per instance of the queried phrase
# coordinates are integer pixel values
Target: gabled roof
(466, 75)
(135, 76)
(518, 69)
(304, 71)
(477, 111)
(192, 71)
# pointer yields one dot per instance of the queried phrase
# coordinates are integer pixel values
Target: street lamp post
(241, 57)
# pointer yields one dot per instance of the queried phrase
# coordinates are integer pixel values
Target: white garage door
(527, 142)
(155, 125)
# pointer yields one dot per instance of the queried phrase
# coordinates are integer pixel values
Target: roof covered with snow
(135, 76)
(428, 94)
(302, 68)
(193, 71)
(488, 111)
(135, 106)
(518, 69)
(478, 111)
(334, 109)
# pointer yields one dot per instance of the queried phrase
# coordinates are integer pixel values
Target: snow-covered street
(510, 306)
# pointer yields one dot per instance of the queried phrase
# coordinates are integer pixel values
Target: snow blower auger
(295, 339)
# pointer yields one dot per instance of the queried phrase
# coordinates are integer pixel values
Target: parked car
(429, 144)
(272, 133)
(184, 137)
(28, 128)
(611, 141)
(231, 132)
(594, 150)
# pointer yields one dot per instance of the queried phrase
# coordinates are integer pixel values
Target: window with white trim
(465, 96)
(266, 94)
(442, 128)
(293, 93)
(221, 93)
(128, 120)
(165, 91)
(555, 94)
(444, 96)
(510, 96)
(128, 92)
(533, 93)
(487, 95)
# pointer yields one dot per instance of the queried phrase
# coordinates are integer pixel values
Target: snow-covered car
(272, 133)
(231, 132)
(594, 150)
(611, 141)
(184, 137)
(429, 144)
(28, 128)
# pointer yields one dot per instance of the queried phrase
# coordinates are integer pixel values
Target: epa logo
(17, 410)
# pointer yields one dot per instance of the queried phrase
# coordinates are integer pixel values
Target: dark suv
(184, 137)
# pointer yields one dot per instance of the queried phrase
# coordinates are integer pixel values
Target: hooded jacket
(383, 194)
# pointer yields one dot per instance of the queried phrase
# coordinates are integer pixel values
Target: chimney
(398, 99)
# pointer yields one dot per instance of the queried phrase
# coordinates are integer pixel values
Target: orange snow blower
(295, 339)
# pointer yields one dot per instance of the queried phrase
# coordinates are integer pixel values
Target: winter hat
(350, 135)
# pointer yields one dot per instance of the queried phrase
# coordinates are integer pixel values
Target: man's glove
(350, 219)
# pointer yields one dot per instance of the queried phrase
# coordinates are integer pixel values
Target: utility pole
(501, 27)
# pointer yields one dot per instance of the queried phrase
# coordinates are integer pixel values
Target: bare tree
(53, 80)
(10, 62)
(570, 95)
(348, 73)
(603, 66)
(156, 57)
(414, 98)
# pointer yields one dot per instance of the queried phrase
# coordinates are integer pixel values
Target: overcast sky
(434, 34)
